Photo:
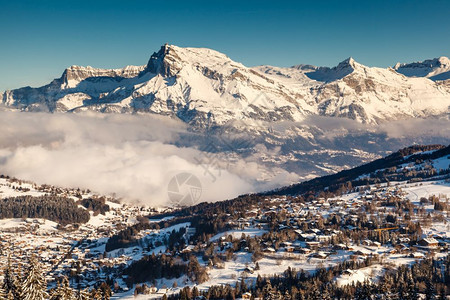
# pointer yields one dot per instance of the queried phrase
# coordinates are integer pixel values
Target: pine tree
(326, 294)
(243, 286)
(10, 296)
(183, 295)
(96, 295)
(63, 291)
(411, 289)
(267, 289)
(3, 294)
(430, 293)
(362, 291)
(34, 286)
(10, 285)
(105, 291)
(195, 292)
(287, 296)
(83, 295)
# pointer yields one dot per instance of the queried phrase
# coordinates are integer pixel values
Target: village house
(428, 242)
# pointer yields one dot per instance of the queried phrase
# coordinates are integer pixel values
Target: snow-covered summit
(343, 69)
(435, 69)
(170, 59)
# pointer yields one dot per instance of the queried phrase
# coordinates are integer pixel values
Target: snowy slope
(372, 95)
(206, 88)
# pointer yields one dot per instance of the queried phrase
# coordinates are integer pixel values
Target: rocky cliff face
(77, 74)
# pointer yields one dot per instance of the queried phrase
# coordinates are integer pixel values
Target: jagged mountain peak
(170, 59)
(157, 64)
(443, 60)
(435, 69)
(343, 69)
(349, 62)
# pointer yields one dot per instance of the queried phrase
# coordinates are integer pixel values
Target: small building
(362, 252)
(312, 245)
(320, 254)
(303, 250)
(188, 249)
(376, 244)
(428, 242)
(270, 250)
(417, 255)
(289, 249)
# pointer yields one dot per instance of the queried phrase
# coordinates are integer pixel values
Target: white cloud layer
(135, 156)
(131, 156)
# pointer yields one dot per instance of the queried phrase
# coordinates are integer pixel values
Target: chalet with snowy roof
(428, 242)
(313, 245)
(269, 249)
(417, 255)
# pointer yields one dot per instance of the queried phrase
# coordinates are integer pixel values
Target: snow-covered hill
(206, 88)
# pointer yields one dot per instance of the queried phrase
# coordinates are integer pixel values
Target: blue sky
(39, 39)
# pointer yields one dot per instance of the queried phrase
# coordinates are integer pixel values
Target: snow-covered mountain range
(205, 88)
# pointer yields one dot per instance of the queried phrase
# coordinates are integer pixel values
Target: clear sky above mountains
(41, 38)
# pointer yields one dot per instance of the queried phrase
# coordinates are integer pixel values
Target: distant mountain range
(205, 88)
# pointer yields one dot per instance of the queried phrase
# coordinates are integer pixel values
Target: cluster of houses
(317, 242)
(75, 252)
